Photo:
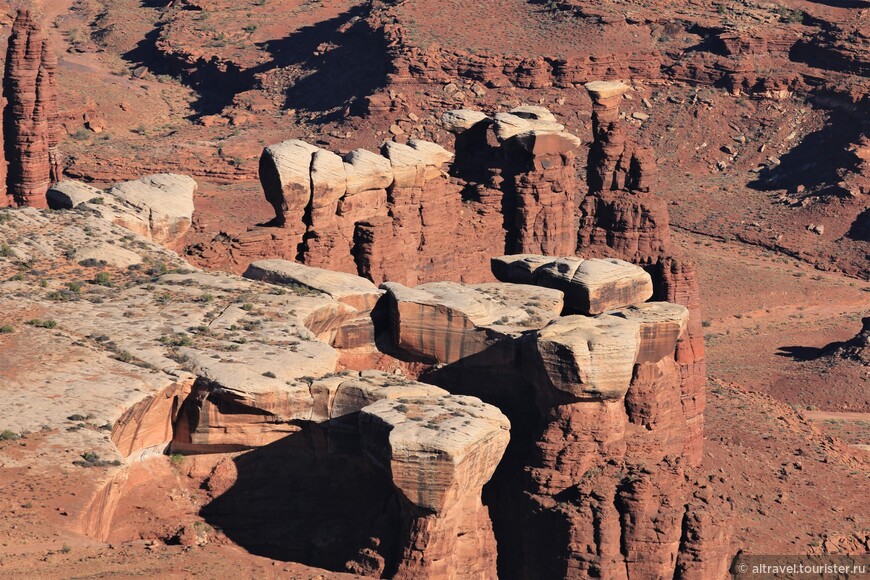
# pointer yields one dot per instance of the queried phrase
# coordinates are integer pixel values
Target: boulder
(328, 180)
(159, 207)
(285, 174)
(447, 321)
(435, 449)
(596, 285)
(365, 171)
(69, 194)
(416, 163)
(461, 120)
(600, 90)
(518, 268)
(109, 254)
(534, 113)
(583, 357)
(508, 125)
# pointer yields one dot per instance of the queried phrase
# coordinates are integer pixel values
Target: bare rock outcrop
(30, 116)
(621, 217)
(583, 357)
(445, 322)
(358, 212)
(69, 194)
(158, 207)
(439, 452)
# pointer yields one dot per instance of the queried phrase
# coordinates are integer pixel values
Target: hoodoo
(30, 115)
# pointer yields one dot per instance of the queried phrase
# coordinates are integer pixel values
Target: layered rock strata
(30, 115)
(621, 217)
(439, 452)
(601, 486)
(514, 189)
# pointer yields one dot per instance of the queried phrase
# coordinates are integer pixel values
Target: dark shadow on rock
(817, 55)
(340, 61)
(353, 65)
(807, 353)
(815, 161)
(492, 376)
(860, 229)
(850, 4)
(311, 498)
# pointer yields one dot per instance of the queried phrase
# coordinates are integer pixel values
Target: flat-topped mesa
(590, 286)
(446, 322)
(30, 115)
(439, 452)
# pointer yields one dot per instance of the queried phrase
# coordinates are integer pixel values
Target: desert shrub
(103, 279)
(8, 435)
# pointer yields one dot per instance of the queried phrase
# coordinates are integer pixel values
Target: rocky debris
(662, 324)
(584, 357)
(439, 452)
(446, 322)
(30, 115)
(69, 194)
(158, 207)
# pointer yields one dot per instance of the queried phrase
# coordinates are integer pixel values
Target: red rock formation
(545, 188)
(620, 217)
(30, 115)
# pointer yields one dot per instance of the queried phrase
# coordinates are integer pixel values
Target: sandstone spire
(30, 114)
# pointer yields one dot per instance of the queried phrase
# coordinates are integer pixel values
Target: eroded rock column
(439, 453)
(30, 115)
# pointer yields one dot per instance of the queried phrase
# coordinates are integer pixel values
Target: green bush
(103, 279)
(8, 435)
